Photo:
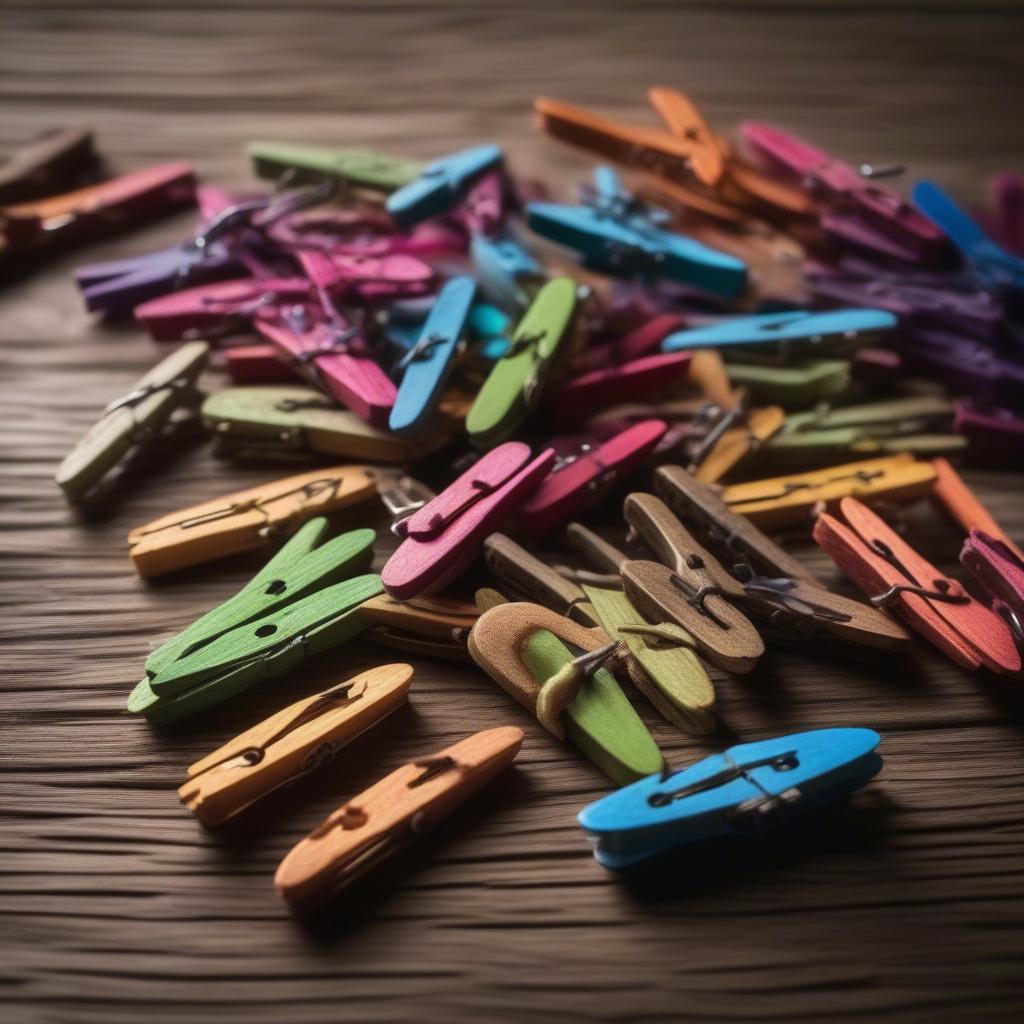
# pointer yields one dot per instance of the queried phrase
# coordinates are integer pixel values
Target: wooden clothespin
(896, 577)
(134, 419)
(47, 165)
(522, 647)
(291, 743)
(390, 815)
(743, 791)
(434, 627)
(999, 570)
(733, 434)
(358, 168)
(245, 520)
(796, 385)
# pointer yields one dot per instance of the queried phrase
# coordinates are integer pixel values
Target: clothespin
(358, 168)
(579, 397)
(508, 272)
(133, 419)
(429, 362)
(642, 340)
(671, 155)
(897, 578)
(912, 425)
(588, 473)
(389, 816)
(555, 668)
(997, 567)
(330, 352)
(45, 166)
(992, 266)
(661, 660)
(748, 789)
(535, 580)
(732, 435)
(991, 429)
(787, 609)
(789, 499)
(515, 383)
(1007, 217)
(963, 505)
(304, 600)
(442, 184)
(798, 331)
(215, 310)
(797, 384)
(616, 233)
(291, 744)
(286, 421)
(434, 627)
(858, 210)
(245, 520)
(258, 364)
(443, 537)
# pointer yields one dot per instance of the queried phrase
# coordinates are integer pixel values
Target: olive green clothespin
(361, 168)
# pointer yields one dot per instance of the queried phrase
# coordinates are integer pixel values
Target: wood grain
(903, 906)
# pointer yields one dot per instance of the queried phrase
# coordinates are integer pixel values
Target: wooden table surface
(904, 905)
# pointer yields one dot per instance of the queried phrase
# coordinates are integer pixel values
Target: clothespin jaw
(742, 792)
(361, 168)
(133, 419)
(442, 539)
(290, 744)
(514, 384)
(896, 577)
(572, 486)
(245, 520)
(390, 815)
(429, 626)
(684, 121)
(288, 421)
(999, 570)
(428, 364)
(522, 647)
(442, 184)
(835, 330)
(46, 166)
(785, 500)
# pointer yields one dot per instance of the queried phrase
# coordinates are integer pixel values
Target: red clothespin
(587, 472)
(896, 577)
(258, 364)
(443, 537)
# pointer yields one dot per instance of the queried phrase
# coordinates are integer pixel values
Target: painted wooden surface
(117, 907)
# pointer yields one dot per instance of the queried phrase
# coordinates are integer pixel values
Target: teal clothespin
(429, 362)
(302, 602)
(508, 272)
(359, 167)
(442, 184)
(489, 329)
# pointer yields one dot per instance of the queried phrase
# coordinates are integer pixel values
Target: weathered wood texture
(904, 906)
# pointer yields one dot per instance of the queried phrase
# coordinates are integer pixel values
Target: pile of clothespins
(754, 336)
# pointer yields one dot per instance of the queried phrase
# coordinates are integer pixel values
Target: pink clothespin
(389, 276)
(216, 310)
(442, 538)
(579, 397)
(484, 208)
(1000, 573)
(576, 480)
(642, 340)
(990, 429)
(329, 351)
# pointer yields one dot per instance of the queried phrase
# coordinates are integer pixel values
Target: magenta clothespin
(216, 310)
(578, 479)
(858, 209)
(578, 398)
(1001, 573)
(1006, 221)
(484, 208)
(329, 351)
(258, 364)
(990, 430)
(388, 276)
(443, 538)
(642, 340)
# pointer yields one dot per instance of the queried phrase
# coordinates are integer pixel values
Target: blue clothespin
(749, 788)
(837, 328)
(490, 328)
(429, 362)
(616, 233)
(503, 265)
(441, 185)
(993, 266)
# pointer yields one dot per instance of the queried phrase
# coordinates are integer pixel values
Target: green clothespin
(800, 384)
(362, 168)
(291, 421)
(523, 647)
(133, 419)
(515, 382)
(295, 606)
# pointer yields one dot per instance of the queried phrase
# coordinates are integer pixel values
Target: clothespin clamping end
(557, 670)
(291, 744)
(134, 419)
(999, 570)
(740, 793)
(389, 816)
